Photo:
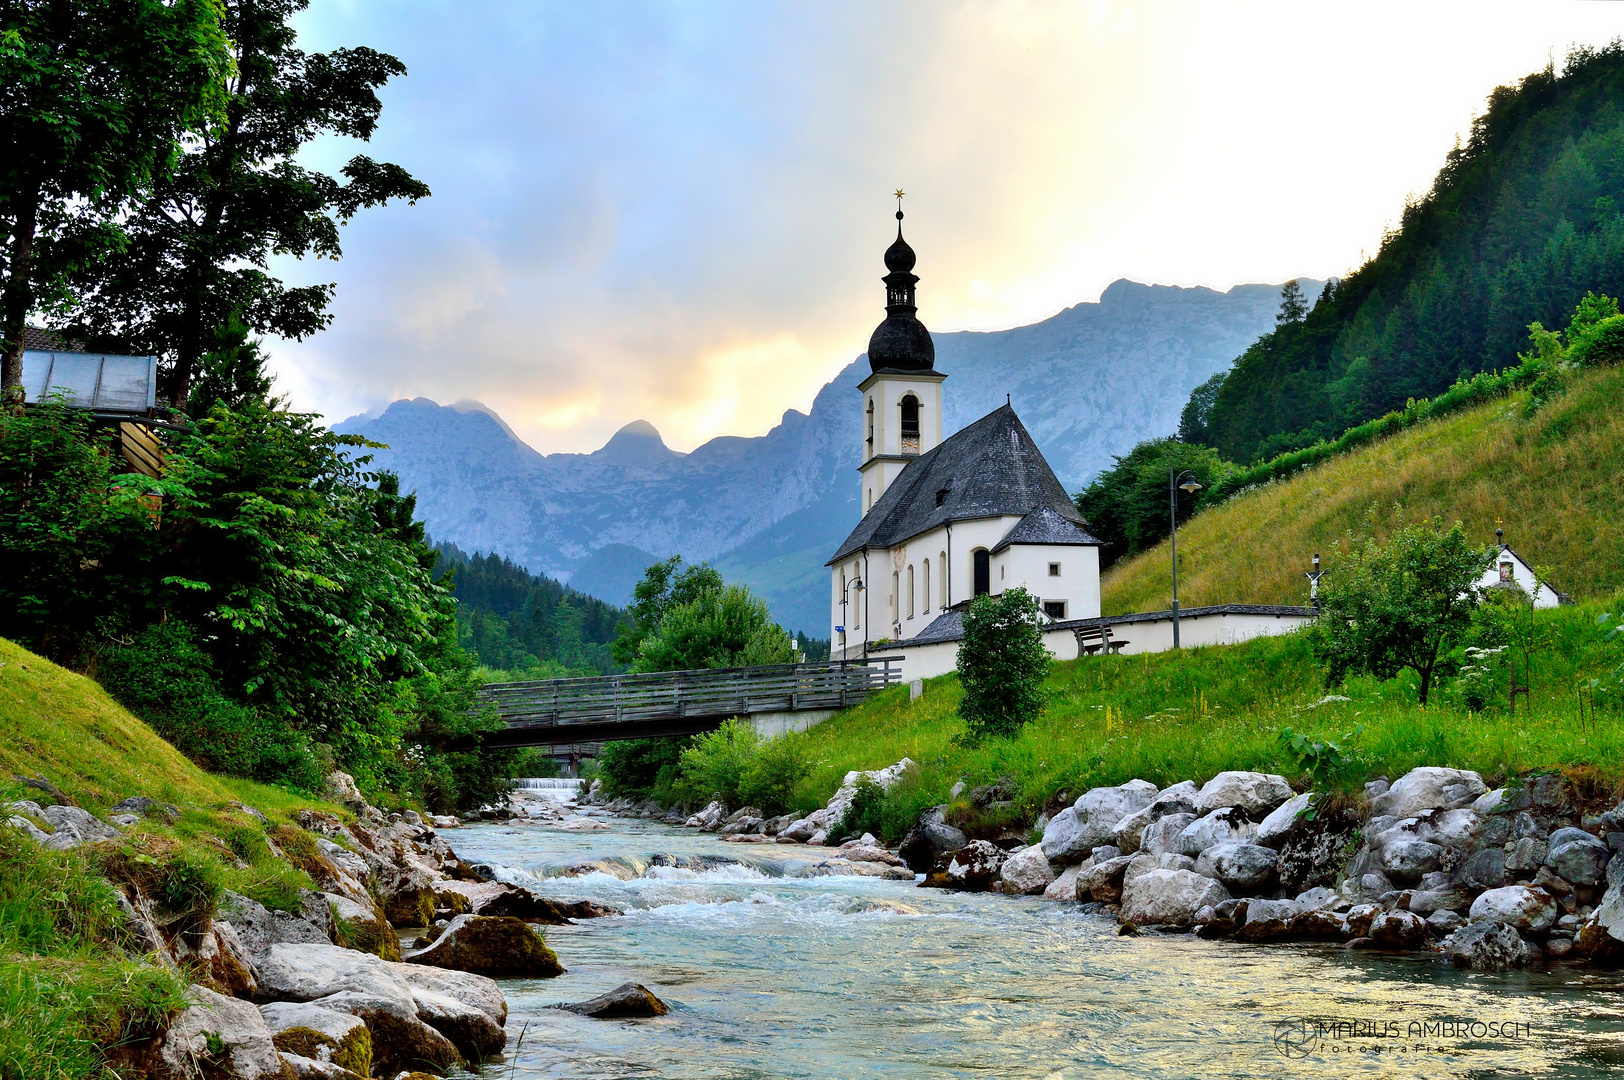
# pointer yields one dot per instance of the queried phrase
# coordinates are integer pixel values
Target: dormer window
(942, 494)
(910, 424)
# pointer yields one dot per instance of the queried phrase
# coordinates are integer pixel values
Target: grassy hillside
(1555, 478)
(1167, 717)
(67, 989)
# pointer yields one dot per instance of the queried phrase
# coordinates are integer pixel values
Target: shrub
(636, 768)
(866, 814)
(714, 766)
(1002, 665)
(772, 774)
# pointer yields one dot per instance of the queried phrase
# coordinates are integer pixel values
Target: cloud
(676, 211)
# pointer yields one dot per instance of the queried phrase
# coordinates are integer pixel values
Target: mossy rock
(450, 903)
(367, 935)
(353, 1052)
(410, 907)
(495, 946)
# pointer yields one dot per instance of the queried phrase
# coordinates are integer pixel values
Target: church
(946, 520)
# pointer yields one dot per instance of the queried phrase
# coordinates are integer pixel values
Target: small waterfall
(546, 783)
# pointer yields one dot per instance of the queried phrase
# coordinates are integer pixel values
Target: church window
(896, 597)
(910, 592)
(910, 424)
(1055, 609)
(871, 425)
(982, 563)
(924, 582)
(941, 574)
(1506, 572)
(1054, 569)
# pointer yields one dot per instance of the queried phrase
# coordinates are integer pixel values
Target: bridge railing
(676, 694)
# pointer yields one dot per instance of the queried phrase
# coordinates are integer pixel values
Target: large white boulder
(1091, 822)
(1406, 861)
(1255, 793)
(1063, 887)
(1227, 825)
(229, 1033)
(1169, 897)
(1162, 835)
(1242, 868)
(305, 972)
(1430, 787)
(1518, 906)
(1178, 799)
(1282, 820)
(1025, 872)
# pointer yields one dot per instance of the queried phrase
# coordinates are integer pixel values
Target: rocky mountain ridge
(1088, 383)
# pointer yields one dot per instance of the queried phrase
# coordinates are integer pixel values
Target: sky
(676, 211)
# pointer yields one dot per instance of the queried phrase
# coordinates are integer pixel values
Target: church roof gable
(1045, 526)
(990, 469)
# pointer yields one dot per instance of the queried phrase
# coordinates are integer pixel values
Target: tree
(1403, 604)
(1292, 305)
(94, 98)
(1193, 420)
(1128, 507)
(1002, 664)
(727, 627)
(665, 585)
(201, 240)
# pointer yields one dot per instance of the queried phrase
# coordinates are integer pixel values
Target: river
(771, 976)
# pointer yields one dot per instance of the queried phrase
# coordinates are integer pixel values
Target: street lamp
(1177, 481)
(854, 583)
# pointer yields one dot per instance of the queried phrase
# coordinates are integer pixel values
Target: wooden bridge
(557, 712)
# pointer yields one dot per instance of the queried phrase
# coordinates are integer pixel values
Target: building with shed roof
(116, 390)
(946, 520)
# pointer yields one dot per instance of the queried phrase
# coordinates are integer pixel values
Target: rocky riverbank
(327, 990)
(1434, 861)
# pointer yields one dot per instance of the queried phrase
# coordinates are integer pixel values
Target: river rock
(306, 972)
(467, 1009)
(319, 1034)
(1226, 825)
(1254, 793)
(708, 818)
(1444, 922)
(1141, 863)
(244, 1051)
(1359, 918)
(1486, 946)
(974, 867)
(1601, 936)
(1168, 897)
(1429, 788)
(1484, 869)
(490, 945)
(1178, 799)
(868, 850)
(1064, 887)
(1162, 835)
(258, 928)
(1448, 898)
(625, 1002)
(1518, 906)
(1242, 868)
(1102, 881)
(1273, 829)
(1320, 924)
(1397, 930)
(1404, 861)
(841, 800)
(805, 828)
(400, 1038)
(1527, 855)
(1092, 820)
(1577, 856)
(1025, 872)
(1267, 920)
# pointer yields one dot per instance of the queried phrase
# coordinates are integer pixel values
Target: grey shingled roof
(1044, 526)
(949, 625)
(990, 469)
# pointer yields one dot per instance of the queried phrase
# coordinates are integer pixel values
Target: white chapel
(946, 520)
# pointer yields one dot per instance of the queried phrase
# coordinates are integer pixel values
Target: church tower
(902, 398)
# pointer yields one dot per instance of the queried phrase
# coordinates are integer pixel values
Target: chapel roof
(1045, 526)
(990, 469)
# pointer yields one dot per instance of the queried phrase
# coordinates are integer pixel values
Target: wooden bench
(1093, 639)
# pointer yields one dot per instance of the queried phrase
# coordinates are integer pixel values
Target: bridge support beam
(770, 725)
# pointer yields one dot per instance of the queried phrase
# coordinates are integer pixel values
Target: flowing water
(780, 976)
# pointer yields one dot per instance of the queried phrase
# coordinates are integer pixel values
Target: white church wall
(1508, 566)
(1078, 583)
(1156, 635)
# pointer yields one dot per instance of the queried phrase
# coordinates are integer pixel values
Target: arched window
(896, 597)
(982, 563)
(941, 573)
(910, 591)
(871, 425)
(924, 583)
(910, 424)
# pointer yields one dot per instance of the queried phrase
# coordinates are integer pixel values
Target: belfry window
(910, 424)
(870, 425)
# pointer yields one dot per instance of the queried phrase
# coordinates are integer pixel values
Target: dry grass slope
(1556, 479)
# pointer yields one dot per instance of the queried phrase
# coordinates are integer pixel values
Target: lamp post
(845, 592)
(1177, 481)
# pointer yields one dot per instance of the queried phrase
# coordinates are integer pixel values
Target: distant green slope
(1555, 479)
(1520, 223)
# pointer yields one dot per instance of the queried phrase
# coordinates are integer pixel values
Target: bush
(866, 814)
(636, 768)
(164, 678)
(714, 766)
(770, 778)
(1002, 665)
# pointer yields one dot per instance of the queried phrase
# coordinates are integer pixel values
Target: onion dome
(901, 342)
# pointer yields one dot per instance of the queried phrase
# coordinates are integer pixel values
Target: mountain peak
(639, 444)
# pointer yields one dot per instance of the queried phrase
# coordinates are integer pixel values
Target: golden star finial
(899, 194)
